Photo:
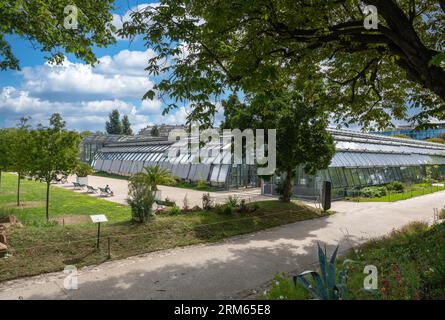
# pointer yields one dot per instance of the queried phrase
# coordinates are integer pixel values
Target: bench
(78, 186)
(91, 189)
(106, 193)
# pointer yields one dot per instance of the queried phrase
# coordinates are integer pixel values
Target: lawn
(40, 247)
(413, 191)
(410, 264)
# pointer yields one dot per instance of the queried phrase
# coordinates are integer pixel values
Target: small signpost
(98, 218)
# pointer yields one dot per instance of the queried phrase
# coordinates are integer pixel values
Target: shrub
(396, 186)
(284, 289)
(373, 192)
(201, 184)
(255, 206)
(141, 199)
(169, 203)
(232, 201)
(243, 207)
(83, 170)
(174, 211)
(227, 210)
(206, 201)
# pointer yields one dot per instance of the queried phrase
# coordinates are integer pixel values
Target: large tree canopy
(206, 47)
(42, 23)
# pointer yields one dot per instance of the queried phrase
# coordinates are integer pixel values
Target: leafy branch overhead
(205, 48)
(42, 24)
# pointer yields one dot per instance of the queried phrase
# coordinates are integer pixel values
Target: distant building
(416, 134)
(164, 129)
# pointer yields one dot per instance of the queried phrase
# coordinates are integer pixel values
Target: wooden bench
(105, 192)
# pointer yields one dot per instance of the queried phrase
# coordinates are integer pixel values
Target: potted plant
(82, 171)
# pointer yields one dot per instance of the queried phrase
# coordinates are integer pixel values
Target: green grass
(415, 190)
(410, 264)
(39, 247)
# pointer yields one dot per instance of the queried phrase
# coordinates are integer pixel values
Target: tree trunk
(47, 201)
(287, 186)
(18, 189)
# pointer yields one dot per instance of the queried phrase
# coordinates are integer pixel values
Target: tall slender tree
(114, 125)
(20, 147)
(126, 126)
(56, 152)
(4, 152)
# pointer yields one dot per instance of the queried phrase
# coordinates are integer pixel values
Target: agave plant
(325, 285)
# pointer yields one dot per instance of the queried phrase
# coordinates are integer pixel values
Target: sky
(82, 94)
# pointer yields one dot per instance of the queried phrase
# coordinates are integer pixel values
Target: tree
(302, 138)
(20, 152)
(56, 152)
(126, 126)
(114, 126)
(154, 132)
(42, 22)
(371, 75)
(5, 139)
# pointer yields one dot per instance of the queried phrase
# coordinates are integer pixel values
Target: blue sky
(83, 95)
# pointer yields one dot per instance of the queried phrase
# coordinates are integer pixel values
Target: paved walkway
(194, 197)
(230, 269)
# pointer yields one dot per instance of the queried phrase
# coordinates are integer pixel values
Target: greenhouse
(361, 160)
(133, 154)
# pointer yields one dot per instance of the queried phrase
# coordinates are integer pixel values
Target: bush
(174, 211)
(243, 207)
(232, 201)
(201, 184)
(373, 192)
(141, 199)
(83, 170)
(396, 186)
(227, 210)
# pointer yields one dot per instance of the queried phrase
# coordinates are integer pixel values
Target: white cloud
(71, 81)
(129, 63)
(119, 20)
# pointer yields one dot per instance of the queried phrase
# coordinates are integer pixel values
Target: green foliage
(55, 152)
(243, 207)
(42, 22)
(301, 136)
(174, 211)
(154, 132)
(201, 184)
(83, 169)
(114, 125)
(126, 126)
(435, 140)
(232, 201)
(141, 198)
(373, 192)
(156, 175)
(395, 186)
(284, 289)
(325, 286)
(247, 45)
(227, 209)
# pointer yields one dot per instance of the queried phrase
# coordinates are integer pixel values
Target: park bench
(105, 192)
(78, 186)
(91, 189)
